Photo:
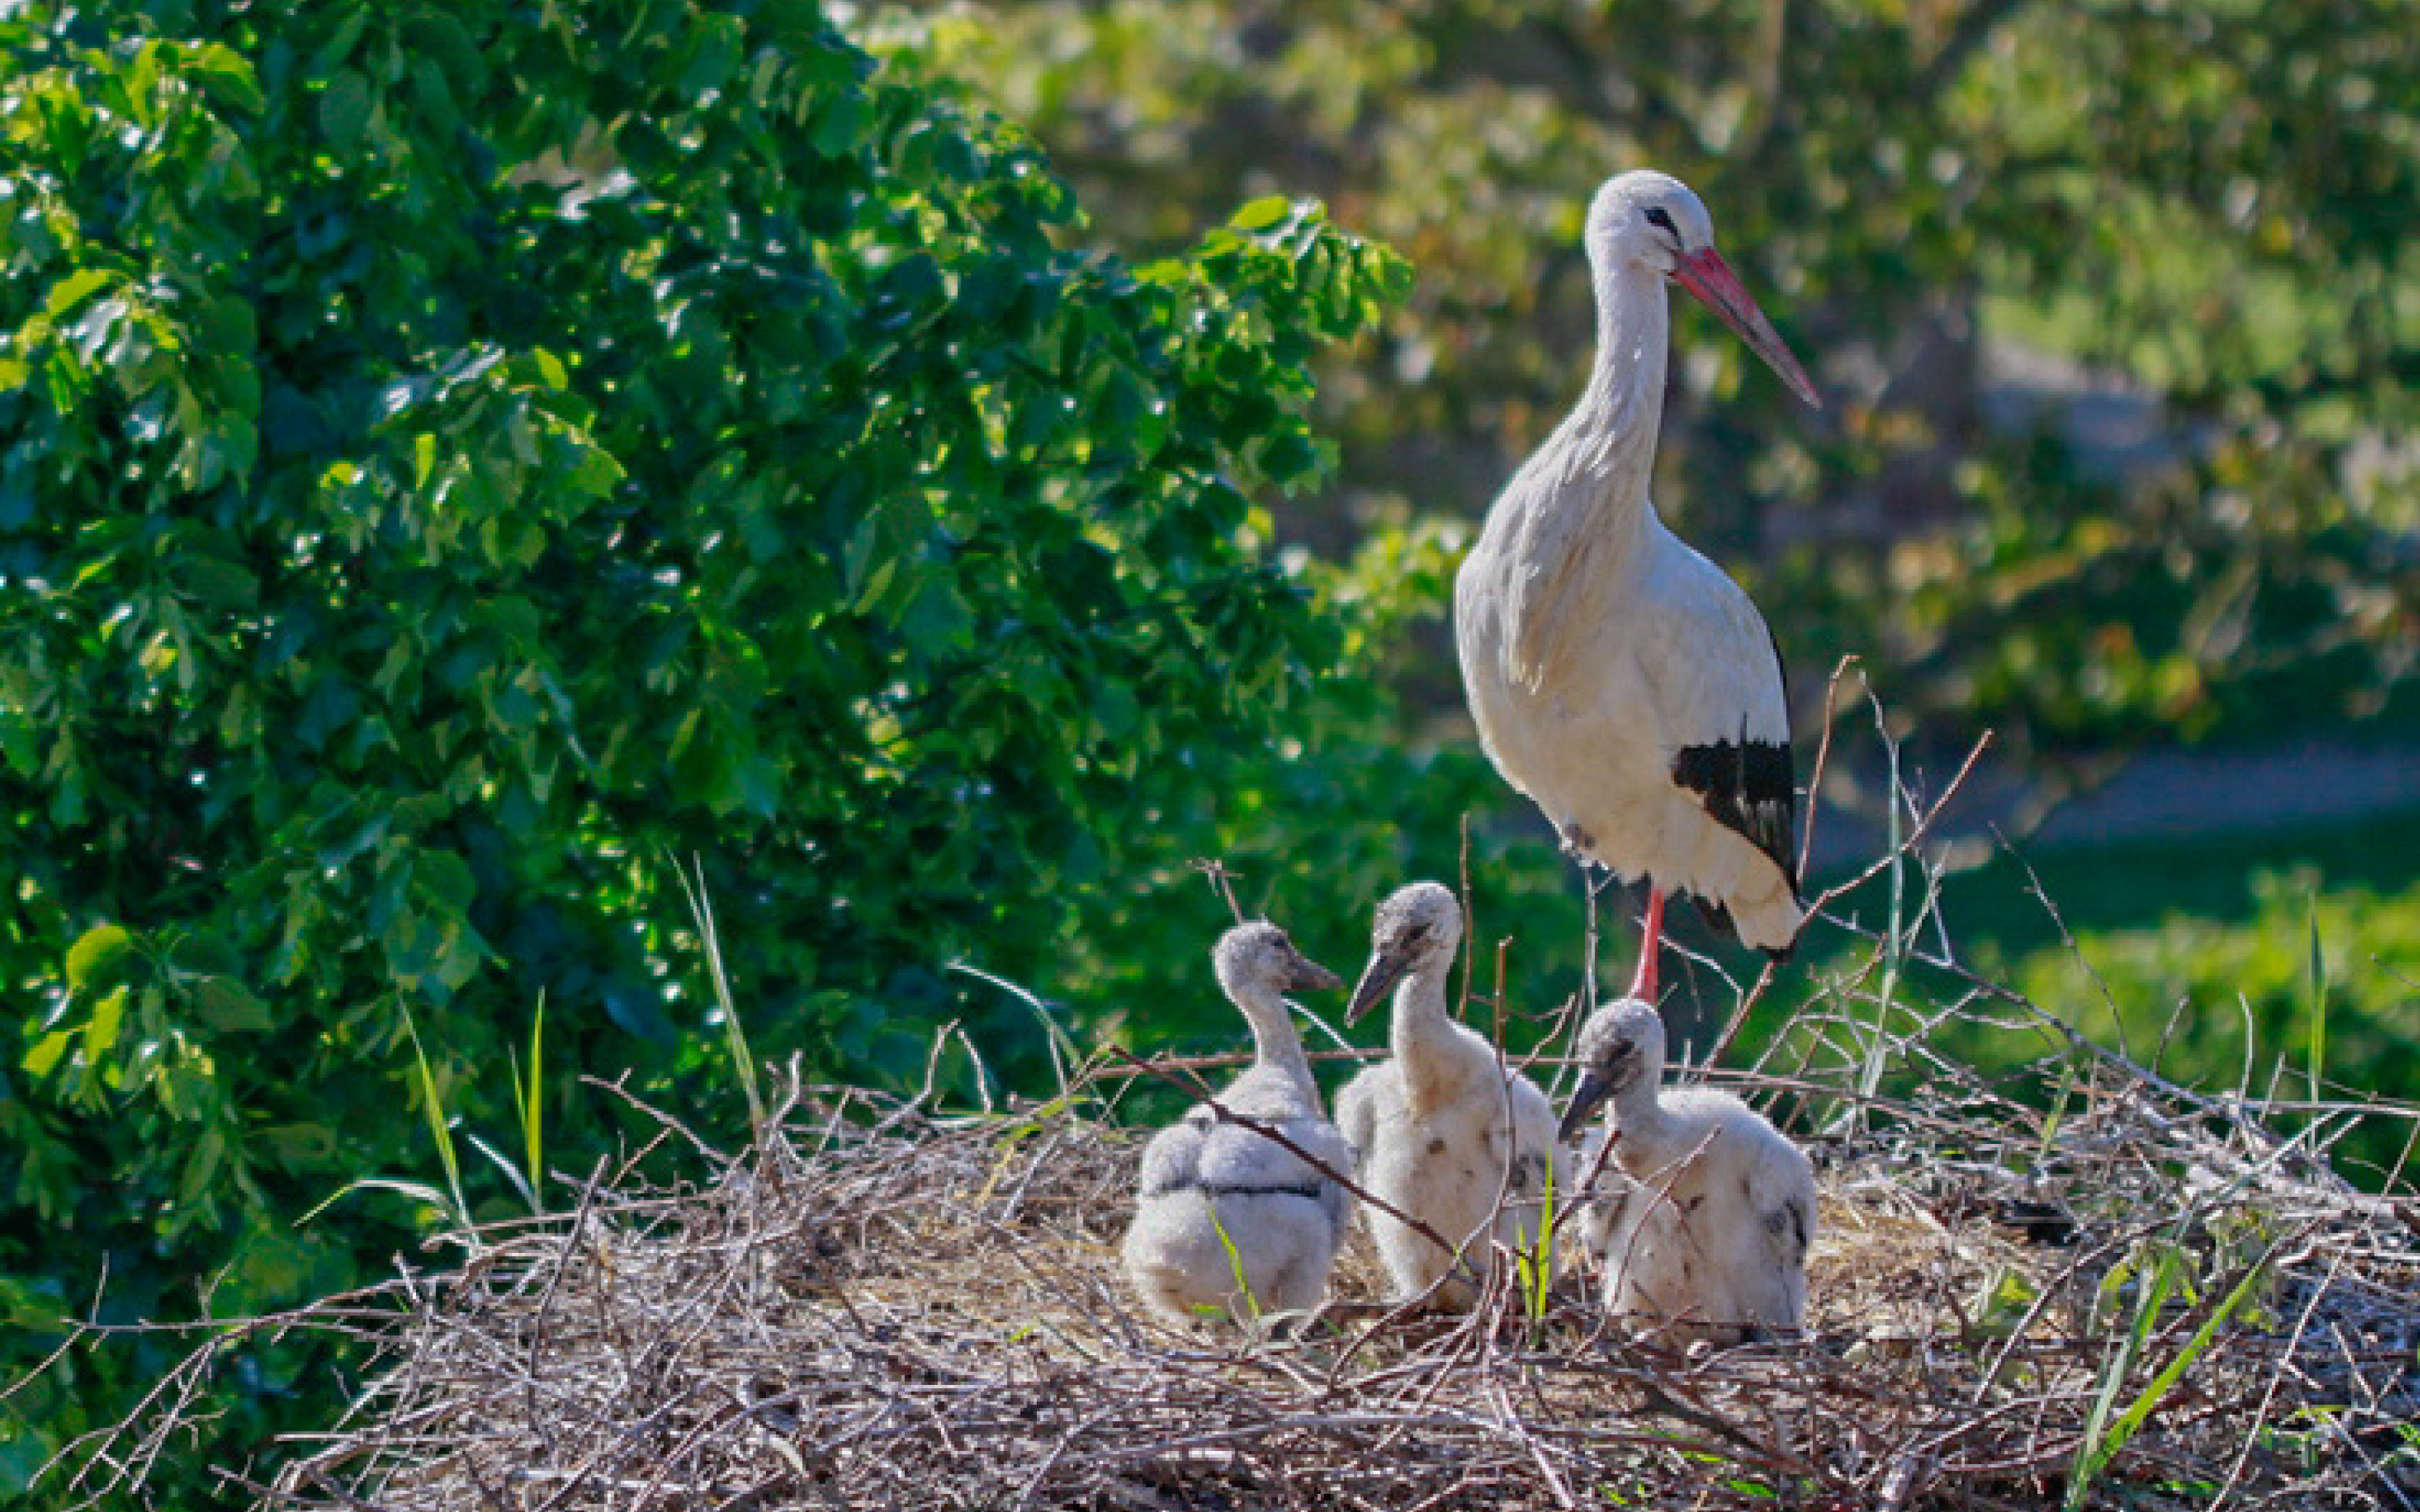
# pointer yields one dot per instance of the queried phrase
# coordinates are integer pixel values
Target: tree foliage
(459, 463)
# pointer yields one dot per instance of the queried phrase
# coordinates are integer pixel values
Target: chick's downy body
(1704, 1213)
(1228, 1223)
(1444, 1131)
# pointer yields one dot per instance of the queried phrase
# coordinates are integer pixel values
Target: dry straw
(2141, 1296)
(882, 1308)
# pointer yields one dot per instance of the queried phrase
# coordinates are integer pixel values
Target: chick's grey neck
(1420, 1013)
(1274, 1043)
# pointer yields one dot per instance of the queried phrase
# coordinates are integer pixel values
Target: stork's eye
(1658, 215)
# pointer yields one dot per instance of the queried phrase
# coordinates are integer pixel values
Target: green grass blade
(500, 1161)
(2057, 1110)
(702, 910)
(532, 1105)
(1234, 1262)
(2319, 1041)
(1533, 1265)
(2098, 1447)
(1064, 1051)
(1870, 1076)
(438, 1129)
(2140, 1410)
(420, 1192)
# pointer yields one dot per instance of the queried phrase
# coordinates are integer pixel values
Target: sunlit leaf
(96, 954)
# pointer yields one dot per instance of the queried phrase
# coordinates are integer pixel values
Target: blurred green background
(932, 471)
(2117, 309)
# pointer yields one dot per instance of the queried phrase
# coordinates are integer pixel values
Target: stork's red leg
(1650, 945)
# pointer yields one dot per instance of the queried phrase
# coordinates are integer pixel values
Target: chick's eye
(1657, 215)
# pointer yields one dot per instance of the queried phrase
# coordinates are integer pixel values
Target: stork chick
(1443, 1131)
(1705, 1212)
(1617, 677)
(1230, 1224)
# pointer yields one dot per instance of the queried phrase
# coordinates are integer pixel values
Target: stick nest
(879, 1307)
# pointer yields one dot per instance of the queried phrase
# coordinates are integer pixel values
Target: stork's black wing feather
(1751, 788)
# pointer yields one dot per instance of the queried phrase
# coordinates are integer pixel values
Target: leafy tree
(459, 463)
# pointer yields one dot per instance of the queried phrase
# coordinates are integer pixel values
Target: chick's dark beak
(1308, 976)
(1593, 1089)
(1600, 1083)
(1386, 968)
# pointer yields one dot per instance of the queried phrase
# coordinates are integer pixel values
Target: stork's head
(1418, 929)
(1651, 220)
(1620, 1046)
(1257, 959)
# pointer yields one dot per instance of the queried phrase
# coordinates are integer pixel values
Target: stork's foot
(1577, 842)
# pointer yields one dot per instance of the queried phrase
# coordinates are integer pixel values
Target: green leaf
(597, 472)
(229, 1006)
(2099, 1444)
(298, 1147)
(420, 1192)
(345, 108)
(2318, 1039)
(441, 1129)
(529, 1098)
(218, 581)
(229, 79)
(100, 1031)
(44, 1055)
(338, 45)
(714, 51)
(444, 877)
(937, 619)
(863, 542)
(2153, 1395)
(74, 291)
(17, 743)
(838, 125)
(97, 956)
(1263, 213)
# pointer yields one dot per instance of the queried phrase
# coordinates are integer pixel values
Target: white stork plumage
(1618, 677)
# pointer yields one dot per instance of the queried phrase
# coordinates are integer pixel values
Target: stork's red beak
(1707, 276)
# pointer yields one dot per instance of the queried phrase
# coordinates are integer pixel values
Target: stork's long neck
(1422, 1035)
(1274, 1040)
(1608, 442)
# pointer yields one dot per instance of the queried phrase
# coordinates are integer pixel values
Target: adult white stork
(1618, 677)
